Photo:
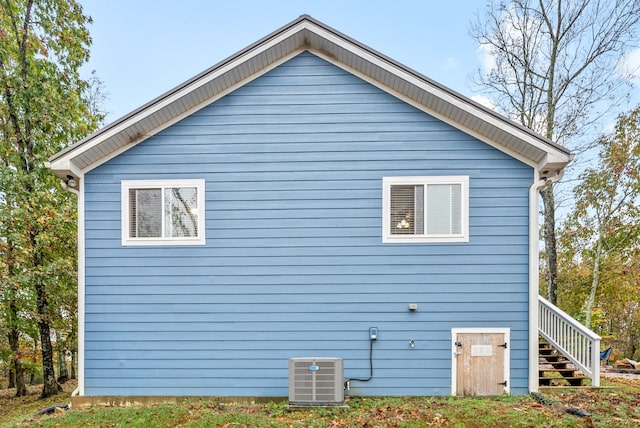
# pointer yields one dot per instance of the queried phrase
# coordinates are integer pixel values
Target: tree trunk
(594, 283)
(73, 345)
(50, 386)
(12, 378)
(63, 373)
(35, 358)
(73, 365)
(14, 343)
(549, 236)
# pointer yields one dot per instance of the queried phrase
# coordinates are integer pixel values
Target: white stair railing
(577, 343)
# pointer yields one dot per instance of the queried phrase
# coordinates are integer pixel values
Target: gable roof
(308, 34)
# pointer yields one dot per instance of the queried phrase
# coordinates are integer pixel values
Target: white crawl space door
(480, 362)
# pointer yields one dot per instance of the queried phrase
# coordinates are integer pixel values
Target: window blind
(444, 209)
(407, 210)
(145, 213)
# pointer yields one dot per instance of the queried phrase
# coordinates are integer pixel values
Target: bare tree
(554, 68)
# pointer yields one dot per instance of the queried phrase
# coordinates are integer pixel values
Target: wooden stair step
(552, 359)
(569, 379)
(551, 355)
(559, 371)
(564, 365)
(573, 380)
(563, 375)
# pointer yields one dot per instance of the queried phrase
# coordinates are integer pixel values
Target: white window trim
(141, 184)
(387, 182)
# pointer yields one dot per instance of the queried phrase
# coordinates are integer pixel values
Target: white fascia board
(331, 37)
(441, 94)
(188, 112)
(174, 97)
(553, 158)
(477, 112)
(64, 166)
(429, 111)
(213, 74)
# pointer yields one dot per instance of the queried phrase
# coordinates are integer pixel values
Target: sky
(143, 48)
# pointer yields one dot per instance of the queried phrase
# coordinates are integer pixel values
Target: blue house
(309, 198)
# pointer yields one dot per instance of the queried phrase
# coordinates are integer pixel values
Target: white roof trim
(305, 33)
(432, 112)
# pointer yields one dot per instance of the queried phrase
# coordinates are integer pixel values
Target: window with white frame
(425, 209)
(163, 212)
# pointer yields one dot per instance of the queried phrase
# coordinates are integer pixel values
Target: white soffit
(305, 33)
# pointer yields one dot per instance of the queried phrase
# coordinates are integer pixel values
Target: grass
(617, 406)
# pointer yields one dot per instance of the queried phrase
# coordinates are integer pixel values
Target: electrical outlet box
(373, 333)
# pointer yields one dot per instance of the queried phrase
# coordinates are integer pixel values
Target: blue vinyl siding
(294, 264)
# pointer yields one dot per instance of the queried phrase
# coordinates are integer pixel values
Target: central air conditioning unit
(316, 381)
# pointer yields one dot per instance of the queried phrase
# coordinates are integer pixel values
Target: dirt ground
(607, 374)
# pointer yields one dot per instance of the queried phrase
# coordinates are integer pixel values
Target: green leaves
(44, 107)
(600, 243)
